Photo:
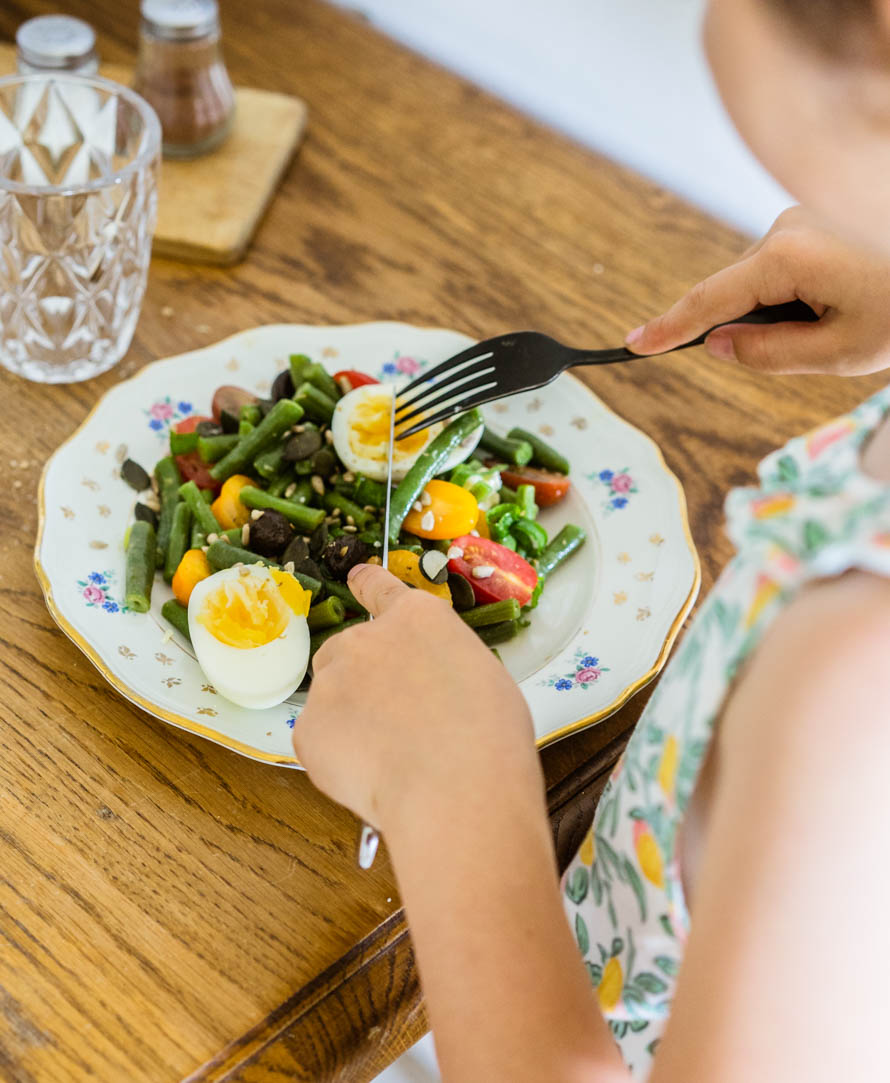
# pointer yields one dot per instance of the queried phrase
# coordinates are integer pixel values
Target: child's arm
(787, 969)
(799, 258)
(413, 724)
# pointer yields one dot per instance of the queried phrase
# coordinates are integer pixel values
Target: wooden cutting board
(209, 208)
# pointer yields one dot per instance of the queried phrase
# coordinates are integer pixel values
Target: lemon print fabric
(814, 514)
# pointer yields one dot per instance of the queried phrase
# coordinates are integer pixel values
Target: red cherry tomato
(189, 424)
(354, 378)
(231, 399)
(191, 465)
(550, 487)
(512, 577)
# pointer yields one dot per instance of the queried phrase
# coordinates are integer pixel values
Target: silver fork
(525, 360)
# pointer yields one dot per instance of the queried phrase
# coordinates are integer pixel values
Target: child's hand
(409, 707)
(848, 286)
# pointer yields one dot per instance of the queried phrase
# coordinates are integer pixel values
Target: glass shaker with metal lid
(58, 43)
(180, 71)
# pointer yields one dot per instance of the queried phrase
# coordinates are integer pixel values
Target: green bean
(340, 590)
(140, 567)
(326, 614)
(244, 427)
(491, 634)
(204, 516)
(279, 419)
(212, 448)
(180, 533)
(334, 501)
(316, 374)
(542, 453)
(303, 518)
(168, 479)
(178, 616)
(495, 613)
(250, 413)
(303, 493)
(517, 452)
(198, 537)
(316, 404)
(531, 535)
(225, 554)
(278, 486)
(269, 463)
(181, 443)
(369, 492)
(207, 496)
(560, 548)
(506, 495)
(315, 641)
(426, 466)
(232, 535)
(299, 364)
(525, 498)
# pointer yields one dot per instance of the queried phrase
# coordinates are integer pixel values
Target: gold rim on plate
(190, 726)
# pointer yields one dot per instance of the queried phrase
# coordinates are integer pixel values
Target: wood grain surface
(209, 207)
(170, 910)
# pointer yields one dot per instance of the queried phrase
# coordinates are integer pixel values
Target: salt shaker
(57, 43)
(180, 71)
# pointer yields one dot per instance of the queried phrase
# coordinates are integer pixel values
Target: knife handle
(368, 842)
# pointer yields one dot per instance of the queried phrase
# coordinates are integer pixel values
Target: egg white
(371, 460)
(254, 677)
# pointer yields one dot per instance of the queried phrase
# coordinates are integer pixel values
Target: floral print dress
(815, 514)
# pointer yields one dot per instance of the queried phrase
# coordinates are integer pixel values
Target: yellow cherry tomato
(227, 507)
(451, 511)
(482, 525)
(192, 569)
(405, 565)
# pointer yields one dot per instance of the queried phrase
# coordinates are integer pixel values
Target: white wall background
(626, 77)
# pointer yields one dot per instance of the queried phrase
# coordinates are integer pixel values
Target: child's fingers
(724, 296)
(780, 348)
(375, 587)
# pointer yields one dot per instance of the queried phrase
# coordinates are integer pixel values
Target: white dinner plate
(602, 630)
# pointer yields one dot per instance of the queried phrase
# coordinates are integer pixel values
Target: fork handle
(790, 312)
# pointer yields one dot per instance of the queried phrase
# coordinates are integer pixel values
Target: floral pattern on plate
(95, 590)
(620, 486)
(165, 412)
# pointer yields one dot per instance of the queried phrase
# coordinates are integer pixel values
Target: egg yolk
(369, 430)
(250, 611)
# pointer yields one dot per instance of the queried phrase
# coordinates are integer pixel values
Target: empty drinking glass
(78, 203)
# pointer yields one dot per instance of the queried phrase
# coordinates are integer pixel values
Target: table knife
(369, 839)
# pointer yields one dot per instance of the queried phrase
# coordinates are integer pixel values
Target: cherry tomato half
(191, 465)
(550, 487)
(511, 577)
(454, 511)
(354, 378)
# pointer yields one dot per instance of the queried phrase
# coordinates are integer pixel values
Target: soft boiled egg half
(249, 632)
(360, 428)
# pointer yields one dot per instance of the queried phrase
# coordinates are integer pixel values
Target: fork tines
(449, 388)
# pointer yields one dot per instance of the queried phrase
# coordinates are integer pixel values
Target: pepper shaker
(180, 71)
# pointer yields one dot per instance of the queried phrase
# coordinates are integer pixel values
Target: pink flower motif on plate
(408, 365)
(94, 595)
(161, 410)
(622, 483)
(588, 674)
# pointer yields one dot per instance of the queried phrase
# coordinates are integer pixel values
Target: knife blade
(369, 840)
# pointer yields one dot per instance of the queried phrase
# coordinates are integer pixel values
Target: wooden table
(167, 908)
